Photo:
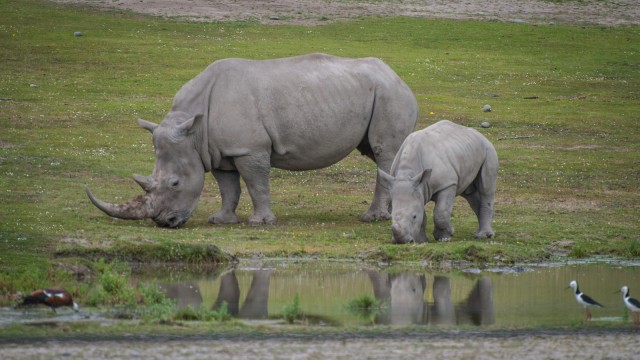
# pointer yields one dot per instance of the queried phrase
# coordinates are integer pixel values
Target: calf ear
(191, 125)
(424, 176)
(386, 180)
(148, 125)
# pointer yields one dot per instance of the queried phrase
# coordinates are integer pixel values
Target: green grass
(569, 164)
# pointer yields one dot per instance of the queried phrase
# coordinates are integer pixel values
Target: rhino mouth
(172, 219)
(171, 223)
(400, 236)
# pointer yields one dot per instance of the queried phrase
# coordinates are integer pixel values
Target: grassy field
(565, 124)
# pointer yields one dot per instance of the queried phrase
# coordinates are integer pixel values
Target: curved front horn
(136, 209)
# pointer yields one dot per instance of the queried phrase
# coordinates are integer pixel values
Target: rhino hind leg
(380, 208)
(481, 198)
(482, 205)
(229, 185)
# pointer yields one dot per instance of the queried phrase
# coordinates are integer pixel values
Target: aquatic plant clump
(292, 312)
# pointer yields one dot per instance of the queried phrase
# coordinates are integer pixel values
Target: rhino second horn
(147, 183)
(136, 209)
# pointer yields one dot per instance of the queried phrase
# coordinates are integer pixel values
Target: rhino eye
(175, 183)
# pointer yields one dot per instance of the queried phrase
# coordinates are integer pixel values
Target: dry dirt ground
(579, 343)
(314, 12)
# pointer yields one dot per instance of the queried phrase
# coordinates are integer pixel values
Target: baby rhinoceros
(438, 163)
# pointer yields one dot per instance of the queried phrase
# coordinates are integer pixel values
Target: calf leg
(481, 199)
(443, 231)
(254, 169)
(481, 196)
(229, 185)
(482, 206)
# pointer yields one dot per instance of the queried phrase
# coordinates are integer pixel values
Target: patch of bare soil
(314, 12)
(401, 345)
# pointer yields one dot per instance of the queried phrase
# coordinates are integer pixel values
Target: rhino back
(310, 111)
(455, 154)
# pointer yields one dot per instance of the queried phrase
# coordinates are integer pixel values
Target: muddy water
(529, 296)
(500, 297)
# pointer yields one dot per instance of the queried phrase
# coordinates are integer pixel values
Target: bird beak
(619, 291)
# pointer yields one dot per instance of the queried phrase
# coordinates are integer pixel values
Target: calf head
(173, 189)
(408, 197)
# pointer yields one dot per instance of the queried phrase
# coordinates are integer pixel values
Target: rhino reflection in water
(405, 295)
(257, 300)
(185, 294)
(255, 304)
(239, 118)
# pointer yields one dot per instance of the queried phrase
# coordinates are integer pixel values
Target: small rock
(33, 86)
(486, 108)
(78, 33)
(485, 125)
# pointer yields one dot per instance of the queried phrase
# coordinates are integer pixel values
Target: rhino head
(173, 189)
(407, 206)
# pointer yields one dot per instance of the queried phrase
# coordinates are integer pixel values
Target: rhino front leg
(229, 185)
(255, 169)
(443, 231)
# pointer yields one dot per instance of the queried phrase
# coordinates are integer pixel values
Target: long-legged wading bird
(52, 297)
(583, 299)
(632, 304)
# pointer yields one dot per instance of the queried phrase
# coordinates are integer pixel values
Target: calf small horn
(136, 209)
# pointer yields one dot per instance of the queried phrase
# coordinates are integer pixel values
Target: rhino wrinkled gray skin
(437, 164)
(240, 117)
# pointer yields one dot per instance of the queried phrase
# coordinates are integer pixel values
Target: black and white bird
(632, 304)
(583, 299)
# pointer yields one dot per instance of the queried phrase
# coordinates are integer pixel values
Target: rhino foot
(224, 218)
(484, 234)
(257, 220)
(444, 234)
(370, 216)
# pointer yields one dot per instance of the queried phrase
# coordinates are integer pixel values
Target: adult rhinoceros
(436, 164)
(239, 118)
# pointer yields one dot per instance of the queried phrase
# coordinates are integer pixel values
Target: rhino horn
(146, 182)
(148, 125)
(136, 209)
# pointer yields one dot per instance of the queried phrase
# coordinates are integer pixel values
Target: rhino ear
(148, 125)
(424, 176)
(190, 125)
(386, 180)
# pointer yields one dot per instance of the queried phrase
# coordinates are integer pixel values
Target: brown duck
(52, 297)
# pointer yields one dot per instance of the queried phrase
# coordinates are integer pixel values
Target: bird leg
(588, 313)
(636, 319)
